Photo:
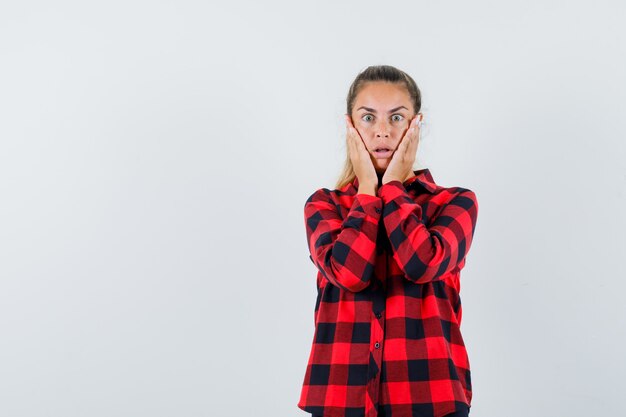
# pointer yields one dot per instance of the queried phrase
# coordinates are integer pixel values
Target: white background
(155, 157)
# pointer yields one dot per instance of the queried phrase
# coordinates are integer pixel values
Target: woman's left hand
(401, 165)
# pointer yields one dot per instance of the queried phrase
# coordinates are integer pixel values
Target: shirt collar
(421, 177)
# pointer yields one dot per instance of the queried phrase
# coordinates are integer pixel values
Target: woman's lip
(383, 154)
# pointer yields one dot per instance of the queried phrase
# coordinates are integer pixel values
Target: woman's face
(381, 114)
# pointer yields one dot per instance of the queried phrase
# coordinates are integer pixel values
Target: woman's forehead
(382, 94)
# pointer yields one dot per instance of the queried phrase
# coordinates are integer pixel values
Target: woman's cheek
(364, 132)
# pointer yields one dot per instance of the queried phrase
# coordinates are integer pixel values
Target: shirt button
(377, 345)
(378, 315)
(377, 210)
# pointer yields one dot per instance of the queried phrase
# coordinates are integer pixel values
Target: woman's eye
(395, 118)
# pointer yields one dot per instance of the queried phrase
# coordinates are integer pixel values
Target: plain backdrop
(155, 157)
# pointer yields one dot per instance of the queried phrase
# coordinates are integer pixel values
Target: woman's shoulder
(335, 195)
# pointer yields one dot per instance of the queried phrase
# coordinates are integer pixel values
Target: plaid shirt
(387, 338)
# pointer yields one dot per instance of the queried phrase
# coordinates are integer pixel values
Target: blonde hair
(386, 73)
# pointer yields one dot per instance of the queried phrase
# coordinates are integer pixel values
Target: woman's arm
(427, 253)
(344, 250)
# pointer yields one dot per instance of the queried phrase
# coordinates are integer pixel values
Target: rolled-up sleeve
(427, 253)
(343, 249)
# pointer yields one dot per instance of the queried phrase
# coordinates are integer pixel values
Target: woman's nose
(382, 130)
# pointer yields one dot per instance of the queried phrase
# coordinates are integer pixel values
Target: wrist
(389, 179)
(370, 189)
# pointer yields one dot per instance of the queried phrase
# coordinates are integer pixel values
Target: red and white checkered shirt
(387, 338)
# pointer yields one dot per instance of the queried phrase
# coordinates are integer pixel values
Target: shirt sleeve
(344, 250)
(428, 253)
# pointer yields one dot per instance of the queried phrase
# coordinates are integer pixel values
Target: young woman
(389, 244)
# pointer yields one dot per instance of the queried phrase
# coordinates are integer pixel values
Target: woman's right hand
(360, 157)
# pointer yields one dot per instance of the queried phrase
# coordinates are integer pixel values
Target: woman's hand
(401, 165)
(360, 157)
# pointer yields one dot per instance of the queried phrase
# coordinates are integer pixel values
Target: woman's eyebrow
(374, 111)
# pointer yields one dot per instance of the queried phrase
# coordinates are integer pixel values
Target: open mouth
(382, 152)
